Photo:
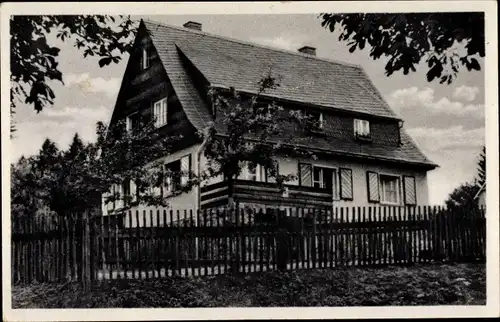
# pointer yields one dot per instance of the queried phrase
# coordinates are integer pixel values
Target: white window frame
(382, 188)
(252, 175)
(335, 180)
(259, 173)
(145, 59)
(361, 127)
(320, 118)
(129, 121)
(167, 181)
(320, 181)
(160, 112)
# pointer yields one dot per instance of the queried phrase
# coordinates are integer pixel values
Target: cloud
(58, 124)
(455, 150)
(81, 114)
(455, 137)
(93, 85)
(413, 97)
(282, 42)
(465, 93)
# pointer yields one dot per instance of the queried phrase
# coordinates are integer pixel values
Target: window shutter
(305, 174)
(410, 192)
(373, 186)
(164, 111)
(156, 113)
(346, 189)
(185, 169)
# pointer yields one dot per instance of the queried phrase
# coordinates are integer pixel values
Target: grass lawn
(459, 284)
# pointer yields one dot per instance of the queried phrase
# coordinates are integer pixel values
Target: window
(389, 189)
(176, 174)
(318, 177)
(132, 121)
(315, 119)
(262, 109)
(160, 112)
(172, 178)
(252, 172)
(325, 178)
(145, 58)
(361, 128)
(255, 172)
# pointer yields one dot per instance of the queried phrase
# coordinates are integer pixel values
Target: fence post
(85, 267)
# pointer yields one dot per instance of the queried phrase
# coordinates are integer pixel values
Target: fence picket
(171, 247)
(52, 248)
(199, 255)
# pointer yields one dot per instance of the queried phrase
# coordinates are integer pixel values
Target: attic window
(160, 112)
(361, 129)
(132, 121)
(263, 110)
(145, 59)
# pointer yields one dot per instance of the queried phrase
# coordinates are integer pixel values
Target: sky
(446, 121)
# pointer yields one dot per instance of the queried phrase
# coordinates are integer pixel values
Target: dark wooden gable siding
(383, 132)
(340, 126)
(141, 88)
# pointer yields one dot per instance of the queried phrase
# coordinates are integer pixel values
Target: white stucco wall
(360, 191)
(186, 201)
(287, 165)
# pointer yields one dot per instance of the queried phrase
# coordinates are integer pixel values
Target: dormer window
(145, 59)
(315, 119)
(361, 129)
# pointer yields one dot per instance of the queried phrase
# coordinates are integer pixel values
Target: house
(364, 155)
(481, 195)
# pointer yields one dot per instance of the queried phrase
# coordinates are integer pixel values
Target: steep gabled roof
(302, 78)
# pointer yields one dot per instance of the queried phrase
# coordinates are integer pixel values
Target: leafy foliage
(463, 197)
(34, 60)
(77, 178)
(408, 38)
(248, 129)
(460, 284)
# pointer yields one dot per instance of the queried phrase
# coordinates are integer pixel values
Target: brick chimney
(192, 25)
(308, 50)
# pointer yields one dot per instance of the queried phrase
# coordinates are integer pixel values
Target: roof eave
(424, 165)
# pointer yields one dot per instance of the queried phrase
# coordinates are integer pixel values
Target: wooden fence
(161, 242)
